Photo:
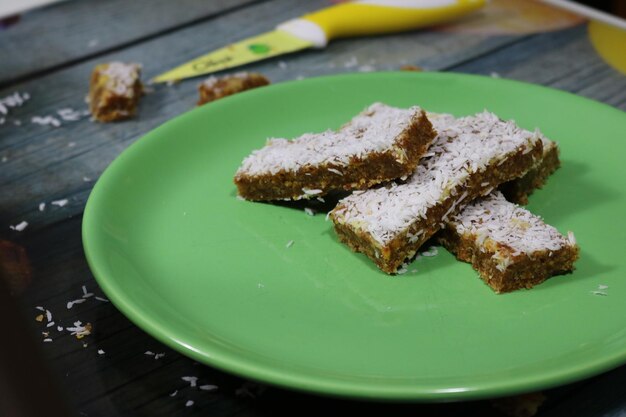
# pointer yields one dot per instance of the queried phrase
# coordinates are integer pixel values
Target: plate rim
(311, 383)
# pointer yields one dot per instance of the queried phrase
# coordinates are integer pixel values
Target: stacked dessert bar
(416, 176)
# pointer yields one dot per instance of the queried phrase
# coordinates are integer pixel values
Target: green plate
(213, 277)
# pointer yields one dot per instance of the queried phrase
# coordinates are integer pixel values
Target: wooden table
(49, 55)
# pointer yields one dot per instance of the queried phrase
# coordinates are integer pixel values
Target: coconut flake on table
(70, 115)
(59, 203)
(100, 352)
(16, 99)
(289, 244)
(208, 387)
(189, 403)
(104, 300)
(45, 121)
(42, 206)
(85, 293)
(191, 379)
(309, 211)
(71, 304)
(463, 146)
(20, 226)
(173, 394)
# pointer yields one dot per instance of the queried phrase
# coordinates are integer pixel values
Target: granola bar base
(518, 190)
(391, 256)
(359, 174)
(105, 104)
(525, 270)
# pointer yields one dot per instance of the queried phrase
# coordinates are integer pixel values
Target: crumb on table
(214, 88)
(114, 91)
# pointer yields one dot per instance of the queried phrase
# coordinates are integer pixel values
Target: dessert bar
(470, 157)
(380, 144)
(510, 247)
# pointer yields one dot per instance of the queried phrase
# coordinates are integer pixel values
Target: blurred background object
(12, 7)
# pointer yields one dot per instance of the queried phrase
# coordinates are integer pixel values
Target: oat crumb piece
(39, 318)
(114, 91)
(215, 88)
(409, 67)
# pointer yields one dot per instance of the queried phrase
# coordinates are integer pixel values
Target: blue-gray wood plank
(71, 31)
(45, 163)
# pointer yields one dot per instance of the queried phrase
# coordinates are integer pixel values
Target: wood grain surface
(49, 55)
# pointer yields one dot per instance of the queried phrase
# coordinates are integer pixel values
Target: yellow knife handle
(371, 17)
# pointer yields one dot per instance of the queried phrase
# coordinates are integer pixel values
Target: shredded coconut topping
(121, 77)
(374, 130)
(463, 147)
(507, 229)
